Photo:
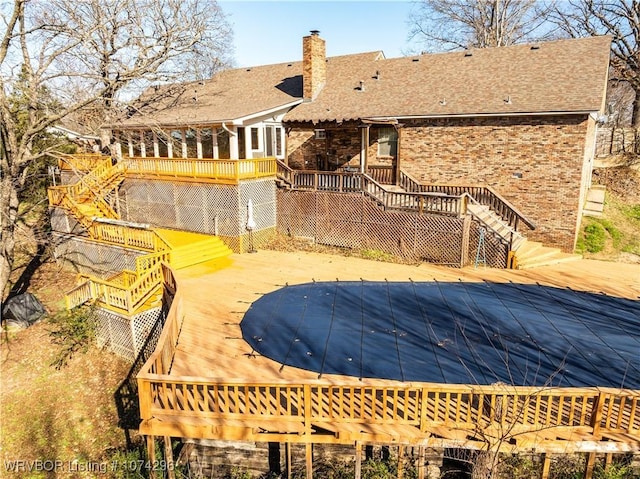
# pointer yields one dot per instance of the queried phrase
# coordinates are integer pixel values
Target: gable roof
(560, 76)
(229, 95)
(564, 76)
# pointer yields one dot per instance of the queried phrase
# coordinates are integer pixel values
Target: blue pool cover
(464, 333)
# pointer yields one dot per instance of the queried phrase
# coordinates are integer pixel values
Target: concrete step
(590, 212)
(528, 248)
(556, 258)
(539, 255)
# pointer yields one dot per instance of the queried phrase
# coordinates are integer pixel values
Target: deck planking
(211, 343)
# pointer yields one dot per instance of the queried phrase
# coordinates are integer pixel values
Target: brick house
(521, 120)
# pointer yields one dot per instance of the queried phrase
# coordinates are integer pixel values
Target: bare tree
(88, 53)
(455, 24)
(618, 18)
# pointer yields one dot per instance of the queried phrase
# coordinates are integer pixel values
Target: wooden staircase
(128, 291)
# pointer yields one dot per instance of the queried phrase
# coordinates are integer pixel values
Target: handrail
(498, 414)
(79, 161)
(284, 172)
(484, 195)
(125, 293)
(422, 202)
(201, 168)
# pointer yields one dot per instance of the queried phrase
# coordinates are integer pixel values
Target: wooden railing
(482, 194)
(493, 414)
(342, 182)
(81, 162)
(381, 174)
(125, 294)
(127, 236)
(202, 169)
(127, 291)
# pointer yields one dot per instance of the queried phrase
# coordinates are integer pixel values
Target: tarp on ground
(22, 311)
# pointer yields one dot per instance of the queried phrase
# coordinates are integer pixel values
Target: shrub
(594, 238)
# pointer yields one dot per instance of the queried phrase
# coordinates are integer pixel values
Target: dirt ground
(48, 414)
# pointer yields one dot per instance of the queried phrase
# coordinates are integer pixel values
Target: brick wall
(341, 147)
(547, 152)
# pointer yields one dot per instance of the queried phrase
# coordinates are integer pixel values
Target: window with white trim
(387, 141)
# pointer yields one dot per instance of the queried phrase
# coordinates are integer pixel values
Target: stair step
(594, 206)
(559, 257)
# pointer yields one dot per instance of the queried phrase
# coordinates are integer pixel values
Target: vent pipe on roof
(361, 88)
(314, 65)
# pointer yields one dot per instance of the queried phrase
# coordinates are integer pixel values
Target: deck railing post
(596, 413)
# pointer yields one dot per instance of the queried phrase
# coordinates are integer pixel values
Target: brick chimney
(314, 65)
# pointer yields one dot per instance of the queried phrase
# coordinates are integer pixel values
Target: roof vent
(535, 47)
(508, 100)
(361, 87)
(289, 64)
(416, 59)
(377, 75)
(443, 102)
(468, 54)
(315, 32)
(248, 69)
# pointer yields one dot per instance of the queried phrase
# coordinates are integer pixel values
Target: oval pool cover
(465, 333)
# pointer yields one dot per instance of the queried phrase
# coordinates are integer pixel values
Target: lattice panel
(263, 196)
(496, 251)
(93, 258)
(142, 325)
(353, 221)
(199, 207)
(220, 203)
(64, 222)
(296, 213)
(114, 333)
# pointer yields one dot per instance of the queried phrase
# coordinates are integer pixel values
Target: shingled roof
(229, 95)
(560, 76)
(564, 76)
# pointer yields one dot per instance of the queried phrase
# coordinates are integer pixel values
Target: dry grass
(48, 414)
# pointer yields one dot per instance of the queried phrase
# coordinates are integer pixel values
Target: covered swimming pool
(450, 332)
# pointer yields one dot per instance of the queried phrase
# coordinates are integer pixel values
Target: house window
(206, 138)
(192, 143)
(254, 139)
(320, 134)
(387, 142)
(163, 150)
(176, 144)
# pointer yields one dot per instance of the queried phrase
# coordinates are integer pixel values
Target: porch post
(364, 148)
(233, 142)
(198, 143)
(214, 142)
(396, 173)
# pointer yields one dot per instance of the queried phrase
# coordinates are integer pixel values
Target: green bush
(594, 238)
(633, 212)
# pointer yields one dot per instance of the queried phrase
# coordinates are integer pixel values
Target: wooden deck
(204, 381)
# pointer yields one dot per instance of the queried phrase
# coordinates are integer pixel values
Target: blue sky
(268, 32)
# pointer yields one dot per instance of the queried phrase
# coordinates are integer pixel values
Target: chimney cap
(315, 32)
